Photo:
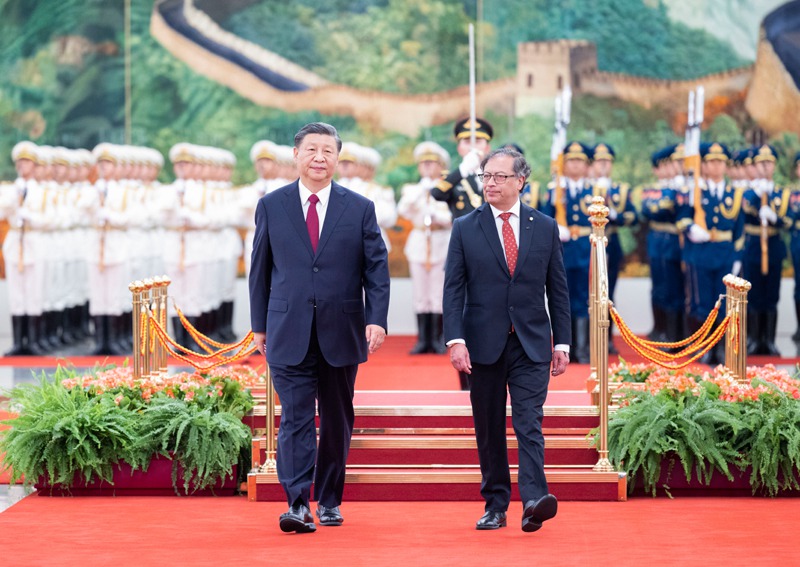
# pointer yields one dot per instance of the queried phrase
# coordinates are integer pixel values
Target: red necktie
(312, 221)
(509, 243)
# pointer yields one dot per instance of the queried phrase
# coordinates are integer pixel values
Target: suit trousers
(297, 453)
(526, 381)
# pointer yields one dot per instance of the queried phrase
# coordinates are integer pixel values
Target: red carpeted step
(446, 409)
(447, 450)
(449, 483)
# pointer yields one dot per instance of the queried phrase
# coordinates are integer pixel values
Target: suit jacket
(345, 284)
(481, 299)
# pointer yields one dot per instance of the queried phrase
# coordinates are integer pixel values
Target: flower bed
(705, 422)
(83, 430)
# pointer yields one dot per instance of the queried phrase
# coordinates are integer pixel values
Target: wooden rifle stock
(558, 192)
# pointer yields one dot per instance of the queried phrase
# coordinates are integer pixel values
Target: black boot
(19, 330)
(119, 335)
(754, 332)
(50, 321)
(580, 340)
(437, 334)
(179, 333)
(770, 328)
(674, 326)
(463, 381)
(226, 313)
(42, 338)
(659, 325)
(86, 320)
(67, 336)
(423, 339)
(34, 325)
(76, 327)
(102, 336)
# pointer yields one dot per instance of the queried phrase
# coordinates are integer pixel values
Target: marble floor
(11, 494)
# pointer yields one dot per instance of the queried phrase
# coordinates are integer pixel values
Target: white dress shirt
(324, 195)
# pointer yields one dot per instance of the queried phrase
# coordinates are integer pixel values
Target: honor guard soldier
(713, 250)
(621, 212)
(576, 195)
(383, 197)
(264, 155)
(461, 189)
(107, 253)
(426, 246)
(766, 209)
(22, 205)
(660, 211)
(794, 245)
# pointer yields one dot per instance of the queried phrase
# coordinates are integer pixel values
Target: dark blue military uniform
(463, 194)
(577, 250)
(660, 210)
(710, 261)
(762, 300)
(794, 248)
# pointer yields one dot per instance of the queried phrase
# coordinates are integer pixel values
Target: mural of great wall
(543, 68)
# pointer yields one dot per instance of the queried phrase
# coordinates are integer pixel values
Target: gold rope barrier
(736, 347)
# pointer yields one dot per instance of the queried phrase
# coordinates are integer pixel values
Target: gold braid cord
(701, 341)
(175, 349)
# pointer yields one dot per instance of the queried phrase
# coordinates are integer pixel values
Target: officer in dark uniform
(715, 250)
(461, 189)
(764, 205)
(660, 212)
(794, 246)
(621, 212)
(577, 197)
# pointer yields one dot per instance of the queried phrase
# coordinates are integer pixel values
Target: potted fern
(718, 432)
(106, 431)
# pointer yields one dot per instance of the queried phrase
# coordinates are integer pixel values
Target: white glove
(766, 213)
(563, 233)
(612, 214)
(759, 187)
(737, 267)
(470, 163)
(698, 235)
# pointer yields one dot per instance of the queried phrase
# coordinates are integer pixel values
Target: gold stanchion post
(147, 358)
(163, 360)
(736, 336)
(599, 323)
(136, 291)
(269, 459)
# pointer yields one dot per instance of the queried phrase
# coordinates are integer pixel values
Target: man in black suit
(504, 260)
(317, 252)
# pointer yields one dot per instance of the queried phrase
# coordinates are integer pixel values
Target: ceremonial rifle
(694, 122)
(563, 105)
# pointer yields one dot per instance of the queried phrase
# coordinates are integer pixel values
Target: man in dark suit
(317, 252)
(504, 260)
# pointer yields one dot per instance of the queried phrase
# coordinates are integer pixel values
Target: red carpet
(391, 368)
(232, 531)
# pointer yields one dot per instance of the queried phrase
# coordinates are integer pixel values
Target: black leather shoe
(537, 511)
(298, 519)
(491, 521)
(329, 516)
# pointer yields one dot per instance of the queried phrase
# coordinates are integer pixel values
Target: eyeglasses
(499, 178)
